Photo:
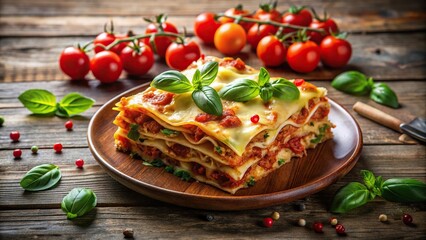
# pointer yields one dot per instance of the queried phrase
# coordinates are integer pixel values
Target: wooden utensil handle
(377, 116)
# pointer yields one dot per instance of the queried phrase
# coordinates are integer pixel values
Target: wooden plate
(323, 166)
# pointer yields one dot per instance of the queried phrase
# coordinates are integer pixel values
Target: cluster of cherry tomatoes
(298, 36)
(134, 54)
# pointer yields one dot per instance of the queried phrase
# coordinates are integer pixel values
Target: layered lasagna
(244, 144)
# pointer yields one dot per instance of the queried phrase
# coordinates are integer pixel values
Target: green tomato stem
(142, 36)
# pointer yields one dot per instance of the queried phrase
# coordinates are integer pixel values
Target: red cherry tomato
(299, 17)
(118, 48)
(179, 56)
(256, 33)
(303, 56)
(106, 39)
(106, 66)
(328, 25)
(271, 51)
(137, 61)
(268, 12)
(205, 26)
(237, 11)
(335, 52)
(74, 62)
(161, 43)
(230, 38)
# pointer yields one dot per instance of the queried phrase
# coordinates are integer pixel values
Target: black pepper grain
(128, 233)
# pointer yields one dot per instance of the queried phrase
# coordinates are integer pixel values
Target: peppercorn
(301, 222)
(34, 149)
(14, 135)
(318, 227)
(383, 218)
(268, 222)
(128, 233)
(68, 125)
(209, 217)
(300, 206)
(79, 163)
(57, 147)
(275, 216)
(407, 219)
(333, 221)
(17, 153)
(340, 229)
(1, 121)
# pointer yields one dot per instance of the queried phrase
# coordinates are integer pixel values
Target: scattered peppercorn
(333, 221)
(14, 135)
(302, 222)
(128, 233)
(255, 118)
(1, 121)
(340, 229)
(68, 125)
(318, 227)
(57, 147)
(407, 219)
(209, 217)
(79, 163)
(17, 153)
(300, 206)
(275, 216)
(34, 149)
(383, 218)
(268, 222)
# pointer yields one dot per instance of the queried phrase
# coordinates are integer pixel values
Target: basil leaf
(38, 101)
(349, 197)
(209, 72)
(41, 177)
(404, 190)
(172, 81)
(240, 90)
(285, 90)
(133, 132)
(369, 179)
(75, 103)
(169, 132)
(182, 174)
(383, 94)
(263, 76)
(266, 93)
(196, 79)
(78, 202)
(352, 82)
(208, 100)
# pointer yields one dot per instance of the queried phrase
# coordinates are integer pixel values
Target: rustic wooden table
(389, 44)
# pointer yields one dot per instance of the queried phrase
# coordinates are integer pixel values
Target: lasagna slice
(245, 143)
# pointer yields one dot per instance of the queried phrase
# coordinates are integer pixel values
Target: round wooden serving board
(323, 166)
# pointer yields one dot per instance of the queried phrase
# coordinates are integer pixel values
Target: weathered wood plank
(395, 161)
(381, 56)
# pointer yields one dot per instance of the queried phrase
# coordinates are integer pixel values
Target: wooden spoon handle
(377, 116)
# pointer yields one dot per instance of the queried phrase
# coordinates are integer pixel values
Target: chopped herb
(133, 133)
(169, 169)
(157, 163)
(251, 182)
(184, 175)
(320, 135)
(281, 161)
(135, 155)
(218, 149)
(147, 164)
(169, 132)
(141, 139)
(266, 135)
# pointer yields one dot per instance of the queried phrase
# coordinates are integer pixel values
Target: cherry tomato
(271, 51)
(335, 52)
(179, 56)
(297, 16)
(161, 43)
(230, 38)
(106, 66)
(267, 12)
(74, 62)
(205, 26)
(256, 33)
(303, 56)
(106, 39)
(137, 60)
(237, 11)
(328, 25)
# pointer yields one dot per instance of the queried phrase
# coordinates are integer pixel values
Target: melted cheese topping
(182, 110)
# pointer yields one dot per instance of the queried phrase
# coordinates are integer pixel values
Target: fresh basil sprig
(43, 102)
(356, 83)
(78, 202)
(41, 177)
(204, 96)
(356, 194)
(246, 89)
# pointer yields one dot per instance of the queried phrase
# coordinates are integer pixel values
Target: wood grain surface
(388, 39)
